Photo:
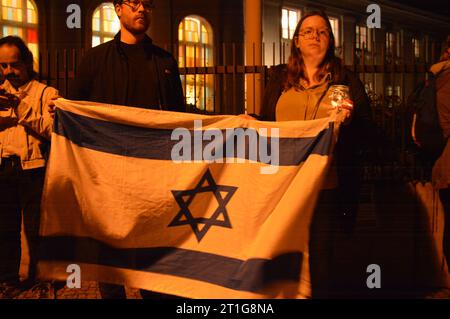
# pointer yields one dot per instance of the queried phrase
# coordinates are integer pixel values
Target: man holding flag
(130, 70)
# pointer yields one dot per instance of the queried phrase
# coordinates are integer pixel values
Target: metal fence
(218, 86)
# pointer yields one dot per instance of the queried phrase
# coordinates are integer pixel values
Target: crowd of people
(132, 71)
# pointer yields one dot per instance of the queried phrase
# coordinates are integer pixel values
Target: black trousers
(444, 195)
(20, 195)
(322, 233)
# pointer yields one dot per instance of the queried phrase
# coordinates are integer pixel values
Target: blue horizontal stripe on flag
(152, 143)
(245, 275)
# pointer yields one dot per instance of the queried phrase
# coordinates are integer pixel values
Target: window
(416, 47)
(335, 28)
(105, 24)
(397, 91)
(20, 18)
(363, 38)
(289, 20)
(389, 96)
(389, 90)
(392, 44)
(393, 95)
(195, 49)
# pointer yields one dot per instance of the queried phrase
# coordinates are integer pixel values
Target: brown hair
(296, 67)
(121, 1)
(26, 56)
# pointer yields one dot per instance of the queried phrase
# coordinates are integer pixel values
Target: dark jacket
(441, 169)
(103, 76)
(354, 138)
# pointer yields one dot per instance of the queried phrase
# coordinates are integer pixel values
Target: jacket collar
(325, 79)
(21, 91)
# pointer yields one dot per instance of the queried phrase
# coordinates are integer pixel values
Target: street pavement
(88, 290)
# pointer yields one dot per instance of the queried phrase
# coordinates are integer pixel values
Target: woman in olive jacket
(298, 91)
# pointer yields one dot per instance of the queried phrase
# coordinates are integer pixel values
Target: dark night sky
(436, 6)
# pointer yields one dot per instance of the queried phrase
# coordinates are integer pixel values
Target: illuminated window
(390, 43)
(289, 20)
(416, 47)
(195, 39)
(363, 38)
(398, 91)
(335, 28)
(20, 18)
(389, 90)
(105, 24)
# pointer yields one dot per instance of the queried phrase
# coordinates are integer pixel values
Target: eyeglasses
(134, 4)
(310, 33)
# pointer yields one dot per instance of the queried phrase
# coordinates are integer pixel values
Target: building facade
(205, 34)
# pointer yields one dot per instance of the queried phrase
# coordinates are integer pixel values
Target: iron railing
(388, 80)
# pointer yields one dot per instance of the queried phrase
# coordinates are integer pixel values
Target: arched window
(289, 20)
(195, 49)
(20, 18)
(105, 24)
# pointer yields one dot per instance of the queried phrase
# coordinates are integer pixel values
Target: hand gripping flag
(149, 199)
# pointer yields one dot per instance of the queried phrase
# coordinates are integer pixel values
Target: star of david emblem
(220, 216)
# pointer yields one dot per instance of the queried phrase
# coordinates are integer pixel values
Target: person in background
(441, 169)
(25, 129)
